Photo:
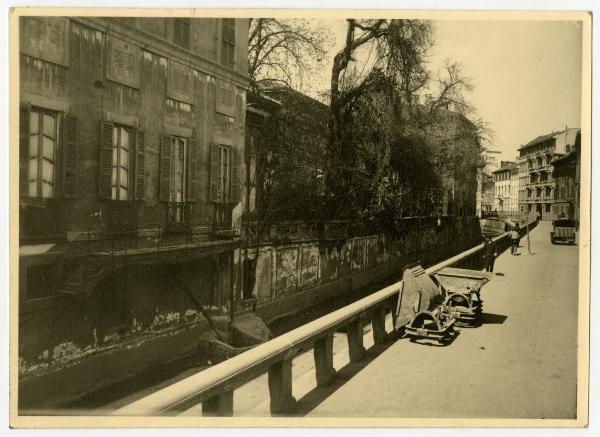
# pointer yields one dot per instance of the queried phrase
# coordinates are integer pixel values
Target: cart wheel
(425, 321)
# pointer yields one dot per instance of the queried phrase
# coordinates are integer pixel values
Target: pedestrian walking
(489, 255)
(514, 238)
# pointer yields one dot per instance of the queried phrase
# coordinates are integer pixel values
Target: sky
(526, 74)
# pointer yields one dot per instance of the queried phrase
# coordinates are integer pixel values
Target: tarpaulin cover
(419, 292)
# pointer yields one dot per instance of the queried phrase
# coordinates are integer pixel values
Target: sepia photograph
(337, 217)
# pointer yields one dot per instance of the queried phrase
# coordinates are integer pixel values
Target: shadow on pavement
(492, 319)
(318, 394)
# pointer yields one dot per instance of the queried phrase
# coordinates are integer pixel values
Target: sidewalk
(520, 364)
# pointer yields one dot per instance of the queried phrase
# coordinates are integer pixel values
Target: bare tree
(400, 46)
(283, 51)
(383, 117)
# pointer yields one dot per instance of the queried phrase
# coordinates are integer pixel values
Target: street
(521, 363)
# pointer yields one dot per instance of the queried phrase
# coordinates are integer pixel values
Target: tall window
(121, 150)
(181, 34)
(225, 173)
(227, 42)
(43, 133)
(178, 170)
(178, 179)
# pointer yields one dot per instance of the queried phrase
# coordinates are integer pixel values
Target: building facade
(514, 188)
(485, 182)
(537, 194)
(503, 186)
(566, 173)
(487, 193)
(132, 135)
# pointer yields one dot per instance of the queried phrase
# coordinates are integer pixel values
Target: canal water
(162, 375)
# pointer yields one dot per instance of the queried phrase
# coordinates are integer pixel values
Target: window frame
(228, 42)
(225, 175)
(181, 32)
(40, 158)
(130, 150)
(176, 140)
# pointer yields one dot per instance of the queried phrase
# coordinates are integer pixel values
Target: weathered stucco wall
(291, 276)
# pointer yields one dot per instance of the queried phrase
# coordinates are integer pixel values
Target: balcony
(41, 220)
(178, 218)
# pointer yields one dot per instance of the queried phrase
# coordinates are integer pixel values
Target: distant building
(538, 192)
(503, 186)
(487, 193)
(492, 161)
(514, 188)
(485, 182)
(566, 174)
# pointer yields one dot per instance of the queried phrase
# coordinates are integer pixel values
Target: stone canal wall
(294, 275)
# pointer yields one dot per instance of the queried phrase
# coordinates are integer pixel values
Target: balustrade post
(323, 352)
(220, 405)
(280, 387)
(355, 340)
(378, 324)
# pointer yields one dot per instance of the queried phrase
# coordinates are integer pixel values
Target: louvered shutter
(69, 155)
(214, 174)
(140, 161)
(24, 117)
(231, 32)
(235, 180)
(105, 168)
(165, 168)
(192, 170)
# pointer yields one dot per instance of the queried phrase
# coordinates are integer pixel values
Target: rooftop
(508, 167)
(546, 137)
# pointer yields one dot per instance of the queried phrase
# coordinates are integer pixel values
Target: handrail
(225, 377)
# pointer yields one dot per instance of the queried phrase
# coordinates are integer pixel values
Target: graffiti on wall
(309, 273)
(287, 270)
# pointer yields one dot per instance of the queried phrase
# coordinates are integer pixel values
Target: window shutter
(140, 160)
(231, 31)
(214, 173)
(235, 180)
(192, 170)
(165, 168)
(105, 168)
(224, 30)
(69, 155)
(24, 149)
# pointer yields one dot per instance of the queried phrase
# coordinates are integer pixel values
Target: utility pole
(528, 242)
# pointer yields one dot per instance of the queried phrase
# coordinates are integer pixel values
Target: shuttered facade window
(48, 153)
(228, 42)
(181, 32)
(178, 169)
(224, 181)
(122, 162)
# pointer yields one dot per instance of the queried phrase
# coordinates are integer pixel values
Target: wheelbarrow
(420, 310)
(463, 293)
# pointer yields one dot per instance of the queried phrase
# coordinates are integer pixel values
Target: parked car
(563, 231)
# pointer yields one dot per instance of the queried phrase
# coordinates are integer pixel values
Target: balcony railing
(41, 219)
(179, 217)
